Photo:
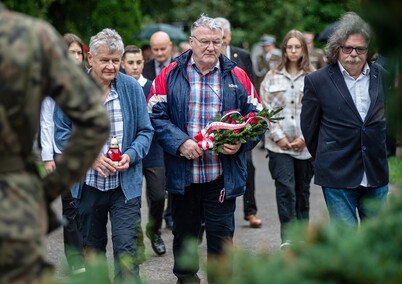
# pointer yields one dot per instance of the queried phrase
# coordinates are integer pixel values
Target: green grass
(395, 170)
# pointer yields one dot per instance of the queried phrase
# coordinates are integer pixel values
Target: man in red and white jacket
(184, 97)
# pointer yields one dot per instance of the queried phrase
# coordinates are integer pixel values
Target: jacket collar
(339, 83)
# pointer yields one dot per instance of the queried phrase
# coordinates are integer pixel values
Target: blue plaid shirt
(93, 178)
(204, 104)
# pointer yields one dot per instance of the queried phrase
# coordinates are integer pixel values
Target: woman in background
(289, 160)
(71, 235)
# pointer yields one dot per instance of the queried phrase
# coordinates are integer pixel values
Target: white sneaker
(79, 271)
(285, 244)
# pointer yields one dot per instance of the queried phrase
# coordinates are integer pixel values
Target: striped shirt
(112, 104)
(205, 102)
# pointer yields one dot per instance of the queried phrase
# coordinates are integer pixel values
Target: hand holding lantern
(114, 152)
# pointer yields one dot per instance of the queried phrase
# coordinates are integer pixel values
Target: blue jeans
(125, 217)
(201, 202)
(347, 204)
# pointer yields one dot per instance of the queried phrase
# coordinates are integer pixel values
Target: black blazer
(243, 60)
(342, 144)
(149, 71)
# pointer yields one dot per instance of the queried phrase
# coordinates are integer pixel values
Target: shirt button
(292, 86)
(292, 117)
(292, 102)
(364, 148)
(363, 128)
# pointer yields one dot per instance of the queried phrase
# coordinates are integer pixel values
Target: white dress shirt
(359, 90)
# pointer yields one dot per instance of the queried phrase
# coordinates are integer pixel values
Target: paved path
(158, 270)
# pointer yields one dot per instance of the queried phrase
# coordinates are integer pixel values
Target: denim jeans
(292, 182)
(125, 216)
(71, 235)
(349, 204)
(201, 202)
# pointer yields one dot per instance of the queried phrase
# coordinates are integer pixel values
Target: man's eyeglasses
(205, 43)
(349, 49)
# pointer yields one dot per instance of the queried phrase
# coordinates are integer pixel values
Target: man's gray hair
(207, 22)
(107, 38)
(225, 23)
(349, 24)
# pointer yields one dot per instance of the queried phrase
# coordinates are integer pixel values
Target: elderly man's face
(206, 45)
(105, 65)
(353, 62)
(227, 38)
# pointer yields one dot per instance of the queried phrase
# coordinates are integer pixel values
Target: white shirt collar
(365, 72)
(142, 81)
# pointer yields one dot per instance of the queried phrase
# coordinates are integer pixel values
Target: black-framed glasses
(205, 43)
(359, 49)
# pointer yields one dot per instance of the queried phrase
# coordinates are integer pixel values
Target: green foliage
(252, 125)
(33, 8)
(123, 16)
(85, 18)
(249, 19)
(325, 253)
(395, 170)
(252, 19)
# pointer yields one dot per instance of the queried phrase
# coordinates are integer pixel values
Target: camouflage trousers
(23, 226)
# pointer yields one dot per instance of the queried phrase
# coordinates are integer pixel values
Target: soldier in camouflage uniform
(34, 63)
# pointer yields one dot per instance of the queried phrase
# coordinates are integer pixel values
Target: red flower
(247, 116)
(257, 124)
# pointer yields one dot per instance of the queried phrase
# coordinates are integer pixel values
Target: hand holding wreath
(233, 128)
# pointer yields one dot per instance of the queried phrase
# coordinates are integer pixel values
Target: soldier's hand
(104, 166)
(124, 163)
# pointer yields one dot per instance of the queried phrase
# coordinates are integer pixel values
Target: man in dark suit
(161, 48)
(243, 60)
(343, 123)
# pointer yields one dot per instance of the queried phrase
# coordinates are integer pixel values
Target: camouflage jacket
(34, 63)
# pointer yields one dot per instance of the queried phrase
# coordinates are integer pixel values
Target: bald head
(161, 46)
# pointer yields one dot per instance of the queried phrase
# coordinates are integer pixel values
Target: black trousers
(249, 203)
(292, 182)
(73, 248)
(201, 203)
(155, 192)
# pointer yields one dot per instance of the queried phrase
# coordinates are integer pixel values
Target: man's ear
(90, 58)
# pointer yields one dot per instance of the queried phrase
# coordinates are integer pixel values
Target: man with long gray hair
(343, 123)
